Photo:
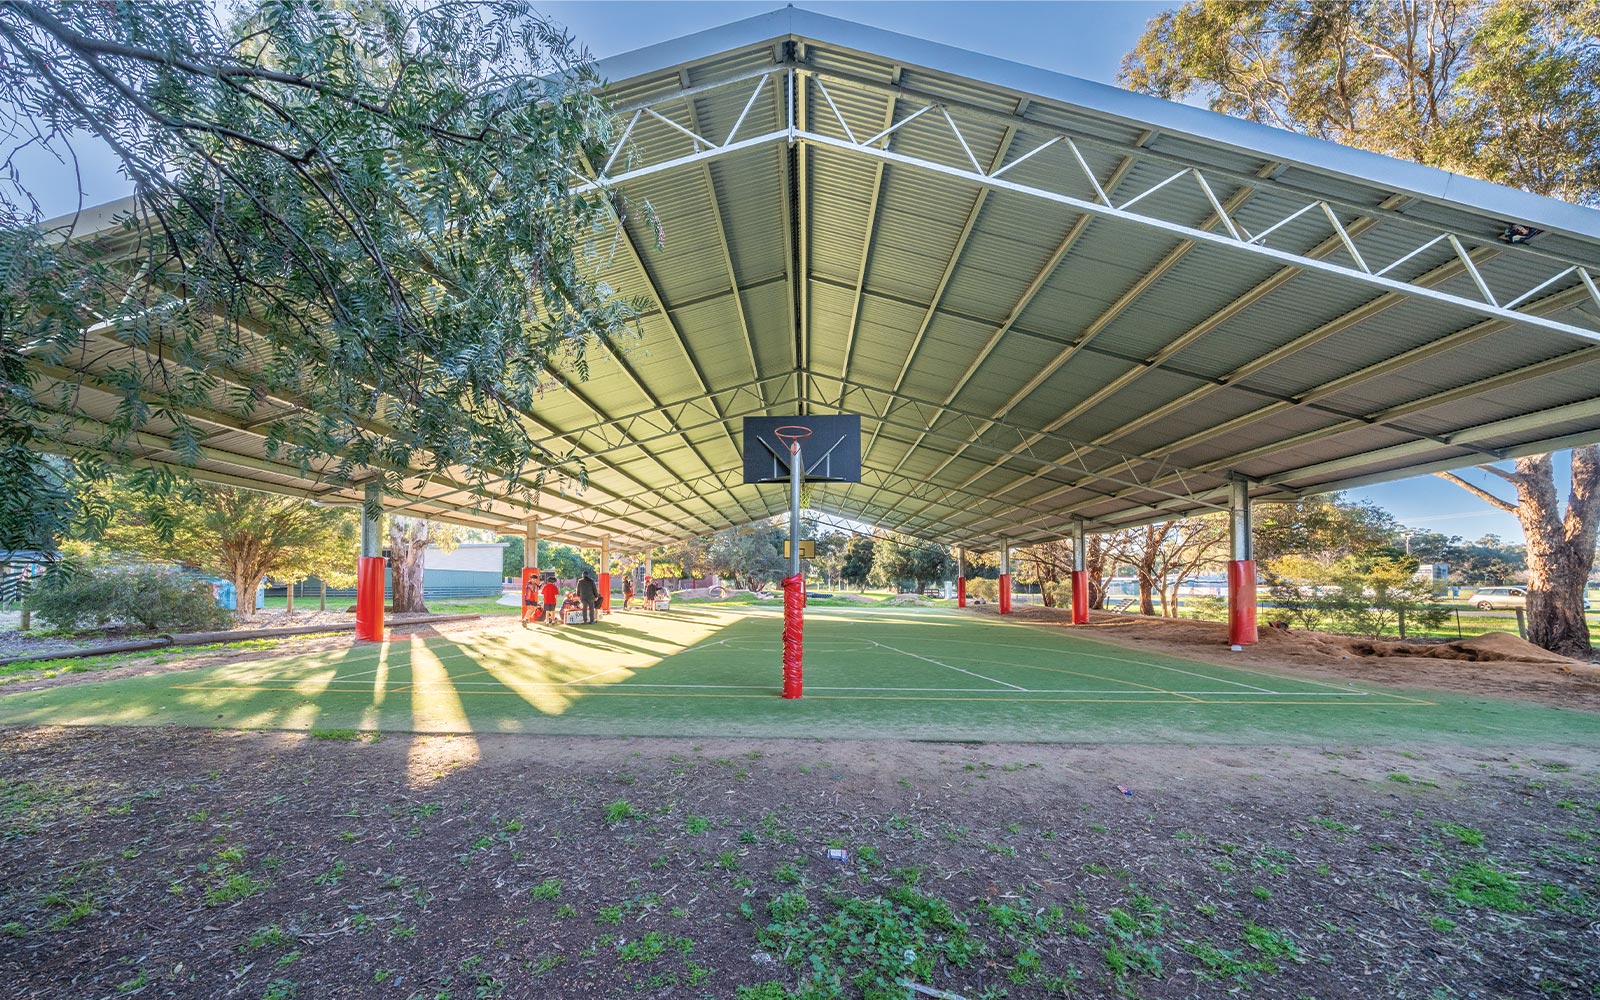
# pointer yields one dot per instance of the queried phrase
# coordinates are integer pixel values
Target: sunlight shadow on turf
(435, 707)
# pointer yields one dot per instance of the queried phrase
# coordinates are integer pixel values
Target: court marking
(340, 683)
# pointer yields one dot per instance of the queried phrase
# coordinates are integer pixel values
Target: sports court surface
(893, 673)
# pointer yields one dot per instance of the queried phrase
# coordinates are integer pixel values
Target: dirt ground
(1493, 665)
(188, 863)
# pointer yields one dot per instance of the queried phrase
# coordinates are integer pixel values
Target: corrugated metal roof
(1027, 345)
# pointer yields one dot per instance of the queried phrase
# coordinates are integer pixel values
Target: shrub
(148, 597)
(1057, 595)
(985, 588)
(1208, 608)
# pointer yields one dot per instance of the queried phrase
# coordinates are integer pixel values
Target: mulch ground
(191, 863)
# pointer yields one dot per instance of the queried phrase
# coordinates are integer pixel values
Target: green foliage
(239, 535)
(752, 554)
(329, 193)
(898, 560)
(1208, 608)
(862, 941)
(984, 588)
(1506, 90)
(619, 811)
(1480, 883)
(146, 597)
(856, 567)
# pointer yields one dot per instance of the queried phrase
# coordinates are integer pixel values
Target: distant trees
(897, 560)
(241, 535)
(856, 567)
(752, 555)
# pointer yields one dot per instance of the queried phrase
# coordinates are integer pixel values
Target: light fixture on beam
(1517, 234)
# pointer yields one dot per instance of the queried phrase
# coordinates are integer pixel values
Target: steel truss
(1063, 152)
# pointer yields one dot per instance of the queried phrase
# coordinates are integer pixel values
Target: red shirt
(549, 592)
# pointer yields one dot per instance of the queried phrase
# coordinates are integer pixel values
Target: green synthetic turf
(901, 673)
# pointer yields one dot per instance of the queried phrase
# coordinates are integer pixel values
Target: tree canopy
(1506, 90)
(359, 209)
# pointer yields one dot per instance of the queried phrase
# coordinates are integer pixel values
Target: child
(549, 594)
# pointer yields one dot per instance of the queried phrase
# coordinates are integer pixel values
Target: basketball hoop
(792, 435)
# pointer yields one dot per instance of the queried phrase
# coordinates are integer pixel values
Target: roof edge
(1319, 156)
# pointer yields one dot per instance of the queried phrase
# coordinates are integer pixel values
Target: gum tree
(352, 224)
(1506, 90)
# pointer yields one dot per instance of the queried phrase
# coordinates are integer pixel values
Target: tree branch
(1480, 492)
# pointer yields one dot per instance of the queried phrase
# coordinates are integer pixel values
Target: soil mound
(1491, 647)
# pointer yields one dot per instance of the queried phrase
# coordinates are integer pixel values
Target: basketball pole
(794, 594)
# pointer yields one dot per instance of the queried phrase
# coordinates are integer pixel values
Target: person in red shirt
(549, 594)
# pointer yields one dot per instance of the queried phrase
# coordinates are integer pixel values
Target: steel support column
(1005, 579)
(605, 575)
(369, 568)
(1080, 577)
(1241, 566)
(961, 578)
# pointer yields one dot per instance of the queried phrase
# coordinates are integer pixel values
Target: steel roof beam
(1465, 439)
(873, 201)
(1093, 330)
(227, 376)
(1582, 356)
(1236, 246)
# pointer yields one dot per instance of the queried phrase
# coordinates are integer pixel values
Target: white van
(1493, 598)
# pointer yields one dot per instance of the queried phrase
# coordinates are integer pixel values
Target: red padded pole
(1005, 593)
(1242, 602)
(794, 603)
(961, 591)
(1080, 597)
(605, 592)
(369, 598)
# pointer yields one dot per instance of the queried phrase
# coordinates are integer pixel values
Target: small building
(471, 569)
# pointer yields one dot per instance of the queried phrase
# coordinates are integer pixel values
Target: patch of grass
(237, 886)
(72, 910)
(270, 936)
(696, 825)
(1271, 943)
(1444, 925)
(1215, 963)
(1400, 777)
(619, 812)
(1470, 836)
(138, 982)
(338, 735)
(550, 888)
(1482, 884)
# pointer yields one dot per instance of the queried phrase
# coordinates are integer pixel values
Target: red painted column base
(605, 593)
(1080, 597)
(1242, 602)
(961, 591)
(369, 598)
(1005, 593)
(794, 603)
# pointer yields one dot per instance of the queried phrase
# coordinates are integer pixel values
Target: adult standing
(588, 596)
(627, 590)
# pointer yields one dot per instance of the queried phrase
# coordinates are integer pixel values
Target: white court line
(580, 680)
(436, 686)
(947, 666)
(1138, 663)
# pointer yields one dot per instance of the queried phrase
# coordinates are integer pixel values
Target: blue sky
(1084, 39)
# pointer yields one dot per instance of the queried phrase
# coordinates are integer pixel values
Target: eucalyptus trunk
(1560, 544)
(408, 541)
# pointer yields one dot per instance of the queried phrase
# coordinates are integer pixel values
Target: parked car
(1494, 598)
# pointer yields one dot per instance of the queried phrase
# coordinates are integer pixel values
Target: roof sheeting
(1049, 299)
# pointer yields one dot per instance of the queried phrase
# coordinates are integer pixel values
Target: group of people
(652, 590)
(542, 597)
